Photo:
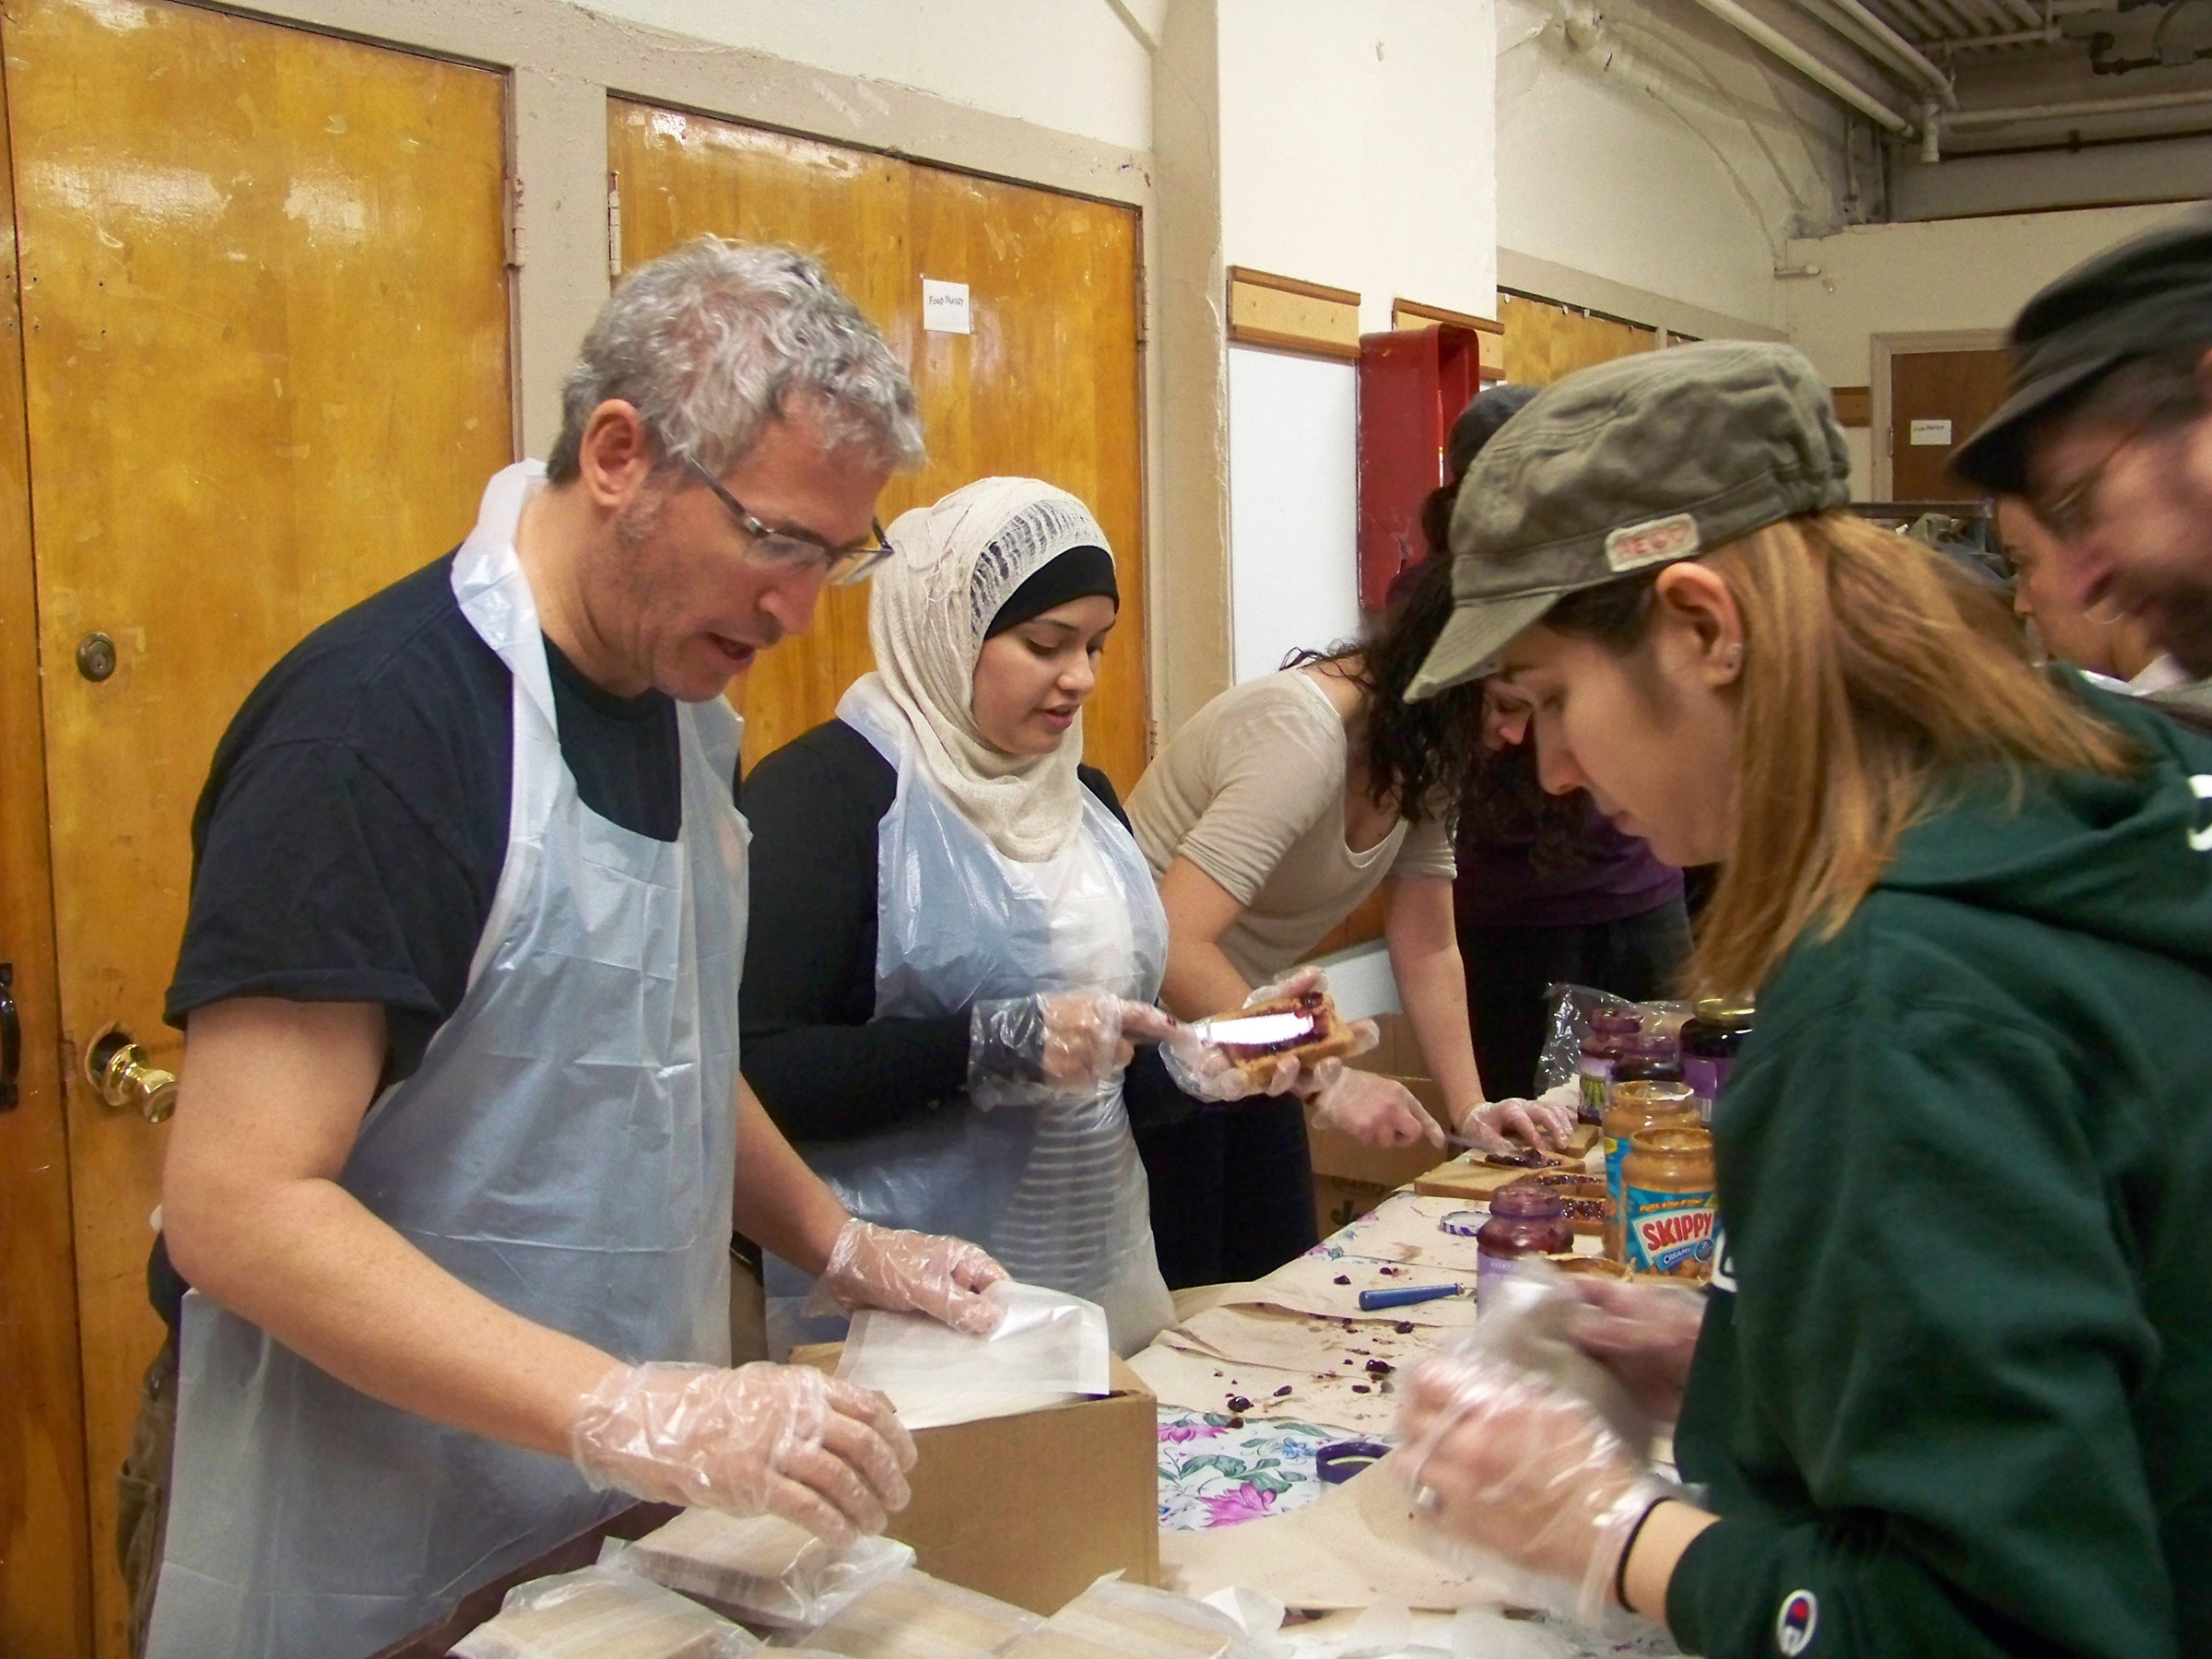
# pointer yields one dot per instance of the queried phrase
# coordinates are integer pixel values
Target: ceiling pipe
(1899, 52)
(2011, 114)
(1821, 74)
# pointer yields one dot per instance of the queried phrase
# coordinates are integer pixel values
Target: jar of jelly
(1609, 1028)
(1647, 1056)
(1668, 1188)
(1526, 1222)
(1709, 1044)
(1639, 1105)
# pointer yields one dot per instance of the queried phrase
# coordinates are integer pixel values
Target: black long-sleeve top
(823, 1067)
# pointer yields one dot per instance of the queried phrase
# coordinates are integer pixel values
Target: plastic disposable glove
(1645, 1335)
(873, 1266)
(1503, 1460)
(782, 1440)
(1376, 1110)
(1537, 1122)
(1206, 1072)
(1027, 1049)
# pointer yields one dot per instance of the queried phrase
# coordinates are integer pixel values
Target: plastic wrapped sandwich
(761, 1570)
(601, 1613)
(915, 1615)
(1117, 1620)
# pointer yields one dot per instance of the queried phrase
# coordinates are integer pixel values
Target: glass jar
(1667, 1185)
(1609, 1028)
(1639, 1105)
(1526, 1221)
(1709, 1044)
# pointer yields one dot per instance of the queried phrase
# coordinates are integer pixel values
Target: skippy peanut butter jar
(1666, 1195)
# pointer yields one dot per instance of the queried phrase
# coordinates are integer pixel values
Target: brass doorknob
(118, 1070)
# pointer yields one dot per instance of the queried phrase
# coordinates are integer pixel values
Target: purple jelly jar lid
(1527, 1202)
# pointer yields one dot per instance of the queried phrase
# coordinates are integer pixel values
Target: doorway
(1932, 391)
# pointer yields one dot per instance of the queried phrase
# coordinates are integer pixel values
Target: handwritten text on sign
(944, 307)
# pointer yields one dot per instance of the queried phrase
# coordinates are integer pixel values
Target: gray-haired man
(461, 1136)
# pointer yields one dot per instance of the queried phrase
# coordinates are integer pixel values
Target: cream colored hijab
(956, 564)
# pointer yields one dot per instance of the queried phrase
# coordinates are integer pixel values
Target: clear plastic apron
(1055, 1191)
(567, 1147)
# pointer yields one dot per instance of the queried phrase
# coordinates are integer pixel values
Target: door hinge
(614, 223)
(515, 247)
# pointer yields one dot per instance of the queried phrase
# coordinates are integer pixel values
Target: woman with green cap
(1947, 1393)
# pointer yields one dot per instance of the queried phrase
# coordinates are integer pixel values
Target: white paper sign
(944, 307)
(1926, 433)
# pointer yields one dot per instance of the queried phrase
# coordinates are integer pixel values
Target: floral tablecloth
(1217, 1471)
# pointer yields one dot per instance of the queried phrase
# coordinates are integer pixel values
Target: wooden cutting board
(1469, 1177)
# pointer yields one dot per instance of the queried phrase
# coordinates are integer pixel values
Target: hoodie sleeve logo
(1798, 1621)
(2200, 840)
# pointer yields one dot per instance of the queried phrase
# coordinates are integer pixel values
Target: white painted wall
(1293, 505)
(1356, 143)
(1683, 168)
(1951, 274)
(1074, 66)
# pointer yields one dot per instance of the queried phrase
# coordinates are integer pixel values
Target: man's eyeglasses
(2072, 512)
(785, 551)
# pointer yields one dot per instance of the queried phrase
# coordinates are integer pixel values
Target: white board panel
(1293, 505)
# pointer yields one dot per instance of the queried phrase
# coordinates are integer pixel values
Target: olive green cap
(1644, 461)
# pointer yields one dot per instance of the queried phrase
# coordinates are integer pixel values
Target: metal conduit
(1899, 52)
(2005, 115)
(1764, 33)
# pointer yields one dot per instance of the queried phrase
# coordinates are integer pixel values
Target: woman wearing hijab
(952, 927)
(1946, 1393)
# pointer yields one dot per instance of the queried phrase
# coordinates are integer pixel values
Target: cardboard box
(1350, 1177)
(1034, 1508)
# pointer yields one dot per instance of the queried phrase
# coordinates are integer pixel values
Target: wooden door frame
(1882, 348)
(41, 1364)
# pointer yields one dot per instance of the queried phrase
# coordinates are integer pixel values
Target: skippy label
(1668, 1230)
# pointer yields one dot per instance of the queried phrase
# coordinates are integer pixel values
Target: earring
(1734, 660)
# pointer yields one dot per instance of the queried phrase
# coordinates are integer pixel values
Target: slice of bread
(1328, 1036)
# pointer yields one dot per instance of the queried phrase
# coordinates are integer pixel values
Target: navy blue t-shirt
(349, 842)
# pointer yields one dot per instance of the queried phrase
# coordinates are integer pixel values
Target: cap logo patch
(1632, 546)
(1794, 1625)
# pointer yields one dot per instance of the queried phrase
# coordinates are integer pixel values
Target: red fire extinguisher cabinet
(1413, 384)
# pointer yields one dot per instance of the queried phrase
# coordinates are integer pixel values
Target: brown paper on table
(1207, 1383)
(1353, 1547)
(1300, 1341)
(1309, 1286)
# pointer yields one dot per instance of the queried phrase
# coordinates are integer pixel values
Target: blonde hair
(1876, 682)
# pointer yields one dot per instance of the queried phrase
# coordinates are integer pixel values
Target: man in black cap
(2107, 435)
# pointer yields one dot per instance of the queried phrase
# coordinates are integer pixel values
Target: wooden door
(265, 316)
(1545, 341)
(1938, 400)
(1047, 385)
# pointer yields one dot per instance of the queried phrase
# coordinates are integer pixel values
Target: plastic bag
(1569, 1021)
(600, 1613)
(760, 1569)
(1049, 1347)
(1521, 1353)
(1114, 1617)
(915, 1615)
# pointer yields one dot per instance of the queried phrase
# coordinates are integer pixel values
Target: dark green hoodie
(1954, 1391)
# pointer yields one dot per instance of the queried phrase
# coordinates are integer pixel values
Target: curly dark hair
(1502, 801)
(1421, 756)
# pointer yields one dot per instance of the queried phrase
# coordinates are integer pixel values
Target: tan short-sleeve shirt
(1251, 791)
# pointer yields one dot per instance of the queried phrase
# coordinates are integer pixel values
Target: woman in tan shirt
(1271, 816)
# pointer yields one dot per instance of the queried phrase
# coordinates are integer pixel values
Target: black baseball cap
(2128, 302)
(1478, 422)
